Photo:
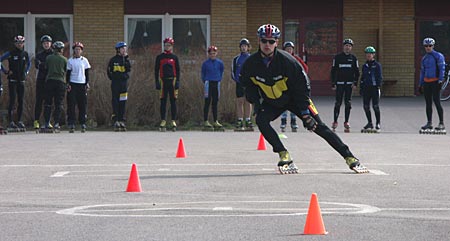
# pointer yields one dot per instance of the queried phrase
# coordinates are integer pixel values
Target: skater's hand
(1, 90)
(333, 87)
(309, 122)
(420, 89)
(69, 88)
(88, 87)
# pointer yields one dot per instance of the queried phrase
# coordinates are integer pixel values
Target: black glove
(420, 89)
(309, 122)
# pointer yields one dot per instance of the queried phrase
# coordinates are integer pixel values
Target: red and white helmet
(19, 39)
(269, 31)
(169, 40)
(212, 48)
(78, 44)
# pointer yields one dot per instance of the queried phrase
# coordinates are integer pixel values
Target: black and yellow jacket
(118, 68)
(280, 83)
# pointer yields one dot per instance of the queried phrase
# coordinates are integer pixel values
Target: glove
(309, 122)
(177, 85)
(420, 89)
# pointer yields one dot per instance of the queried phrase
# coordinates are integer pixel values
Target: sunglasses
(271, 41)
(428, 46)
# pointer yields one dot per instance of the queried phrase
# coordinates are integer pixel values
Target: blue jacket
(371, 74)
(212, 70)
(238, 61)
(430, 62)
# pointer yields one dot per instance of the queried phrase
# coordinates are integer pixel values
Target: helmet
(46, 38)
(58, 45)
(19, 39)
(269, 31)
(212, 48)
(244, 41)
(370, 49)
(78, 44)
(288, 44)
(348, 41)
(169, 40)
(428, 41)
(120, 45)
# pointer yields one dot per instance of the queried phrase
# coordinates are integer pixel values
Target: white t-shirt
(77, 66)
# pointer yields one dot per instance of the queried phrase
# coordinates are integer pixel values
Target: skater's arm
(4, 56)
(333, 73)
(27, 57)
(379, 75)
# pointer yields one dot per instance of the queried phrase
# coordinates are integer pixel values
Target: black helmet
(46, 38)
(244, 41)
(347, 41)
(58, 45)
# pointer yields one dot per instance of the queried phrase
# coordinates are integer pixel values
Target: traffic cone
(314, 222)
(134, 185)
(262, 143)
(181, 153)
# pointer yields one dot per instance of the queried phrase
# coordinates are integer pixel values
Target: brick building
(395, 28)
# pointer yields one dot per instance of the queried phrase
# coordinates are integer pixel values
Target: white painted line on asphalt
(223, 209)
(121, 210)
(163, 169)
(59, 174)
(377, 172)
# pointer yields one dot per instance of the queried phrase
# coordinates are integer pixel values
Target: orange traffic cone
(181, 153)
(262, 143)
(314, 222)
(134, 185)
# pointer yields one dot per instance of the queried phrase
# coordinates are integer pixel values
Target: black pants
(431, 92)
(372, 93)
(343, 92)
(76, 97)
(211, 95)
(16, 89)
(168, 90)
(40, 96)
(119, 98)
(268, 113)
(54, 93)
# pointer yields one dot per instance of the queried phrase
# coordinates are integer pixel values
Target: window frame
(30, 30)
(167, 22)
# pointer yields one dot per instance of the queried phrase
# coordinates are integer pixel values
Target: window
(321, 38)
(145, 33)
(439, 31)
(59, 27)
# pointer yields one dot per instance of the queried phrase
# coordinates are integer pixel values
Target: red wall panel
(38, 7)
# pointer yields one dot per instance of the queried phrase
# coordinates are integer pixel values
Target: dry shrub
(142, 109)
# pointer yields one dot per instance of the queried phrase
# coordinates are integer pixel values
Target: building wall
(228, 26)
(99, 25)
(260, 12)
(391, 32)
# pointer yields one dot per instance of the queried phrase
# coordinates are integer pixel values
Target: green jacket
(56, 65)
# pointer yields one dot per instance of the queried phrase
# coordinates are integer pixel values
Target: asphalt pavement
(72, 186)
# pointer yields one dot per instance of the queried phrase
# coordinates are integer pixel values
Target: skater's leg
(206, 108)
(376, 105)
(173, 95)
(71, 102)
(115, 94)
(347, 101)
(123, 97)
(20, 95)
(59, 101)
(332, 138)
(437, 101)
(48, 102)
(12, 86)
(214, 87)
(39, 99)
(428, 94)
(263, 118)
(82, 104)
(366, 103)
(338, 103)
(163, 98)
